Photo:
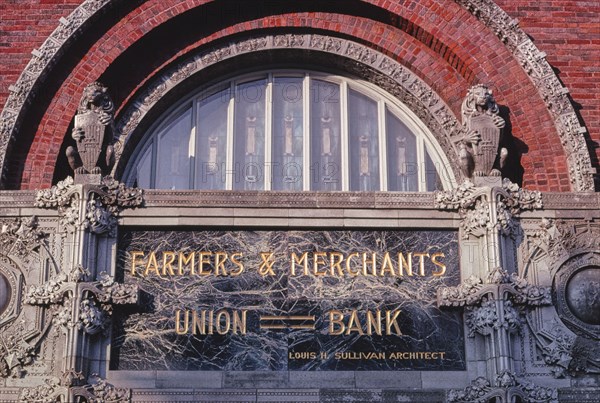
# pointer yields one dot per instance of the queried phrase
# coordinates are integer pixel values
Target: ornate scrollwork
(50, 391)
(97, 298)
(506, 387)
(16, 352)
(485, 300)
(560, 238)
(474, 206)
(99, 390)
(104, 202)
(20, 236)
(499, 283)
(485, 318)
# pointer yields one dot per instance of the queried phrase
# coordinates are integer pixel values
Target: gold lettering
(439, 264)
(168, 259)
(374, 322)
(134, 256)
(392, 321)
(236, 262)
(239, 323)
(178, 329)
(219, 322)
(210, 322)
(348, 260)
(422, 263)
(220, 259)
(354, 324)
(189, 260)
(336, 318)
(152, 265)
(199, 326)
(202, 259)
(387, 265)
(319, 259)
(336, 264)
(405, 263)
(373, 264)
(302, 260)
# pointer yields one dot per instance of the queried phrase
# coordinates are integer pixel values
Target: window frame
(425, 140)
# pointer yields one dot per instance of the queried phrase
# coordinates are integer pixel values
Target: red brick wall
(568, 31)
(438, 40)
(24, 25)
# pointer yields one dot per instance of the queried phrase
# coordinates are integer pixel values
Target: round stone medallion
(583, 295)
(5, 292)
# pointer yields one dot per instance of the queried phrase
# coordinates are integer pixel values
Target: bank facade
(269, 201)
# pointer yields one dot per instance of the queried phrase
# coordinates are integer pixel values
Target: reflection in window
(402, 168)
(290, 132)
(211, 143)
(249, 136)
(326, 149)
(173, 166)
(364, 146)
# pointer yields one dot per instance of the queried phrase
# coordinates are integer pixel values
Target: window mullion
(344, 135)
(306, 132)
(422, 186)
(382, 145)
(154, 159)
(229, 173)
(268, 133)
(192, 145)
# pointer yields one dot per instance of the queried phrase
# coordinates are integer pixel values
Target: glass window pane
(325, 138)
(249, 136)
(287, 134)
(173, 165)
(144, 169)
(211, 141)
(402, 163)
(363, 142)
(432, 177)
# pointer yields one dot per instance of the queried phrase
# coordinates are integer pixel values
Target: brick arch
(452, 42)
(203, 67)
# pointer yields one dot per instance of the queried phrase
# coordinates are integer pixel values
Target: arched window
(290, 131)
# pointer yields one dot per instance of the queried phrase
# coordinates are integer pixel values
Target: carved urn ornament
(93, 130)
(483, 127)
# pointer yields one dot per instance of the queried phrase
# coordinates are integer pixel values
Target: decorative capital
(483, 209)
(103, 203)
(499, 284)
(96, 299)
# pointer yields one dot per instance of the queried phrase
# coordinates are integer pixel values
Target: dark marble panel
(276, 320)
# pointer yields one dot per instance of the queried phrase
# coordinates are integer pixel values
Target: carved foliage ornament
(17, 350)
(506, 387)
(104, 202)
(473, 204)
(97, 298)
(97, 390)
(20, 236)
(487, 306)
(568, 355)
